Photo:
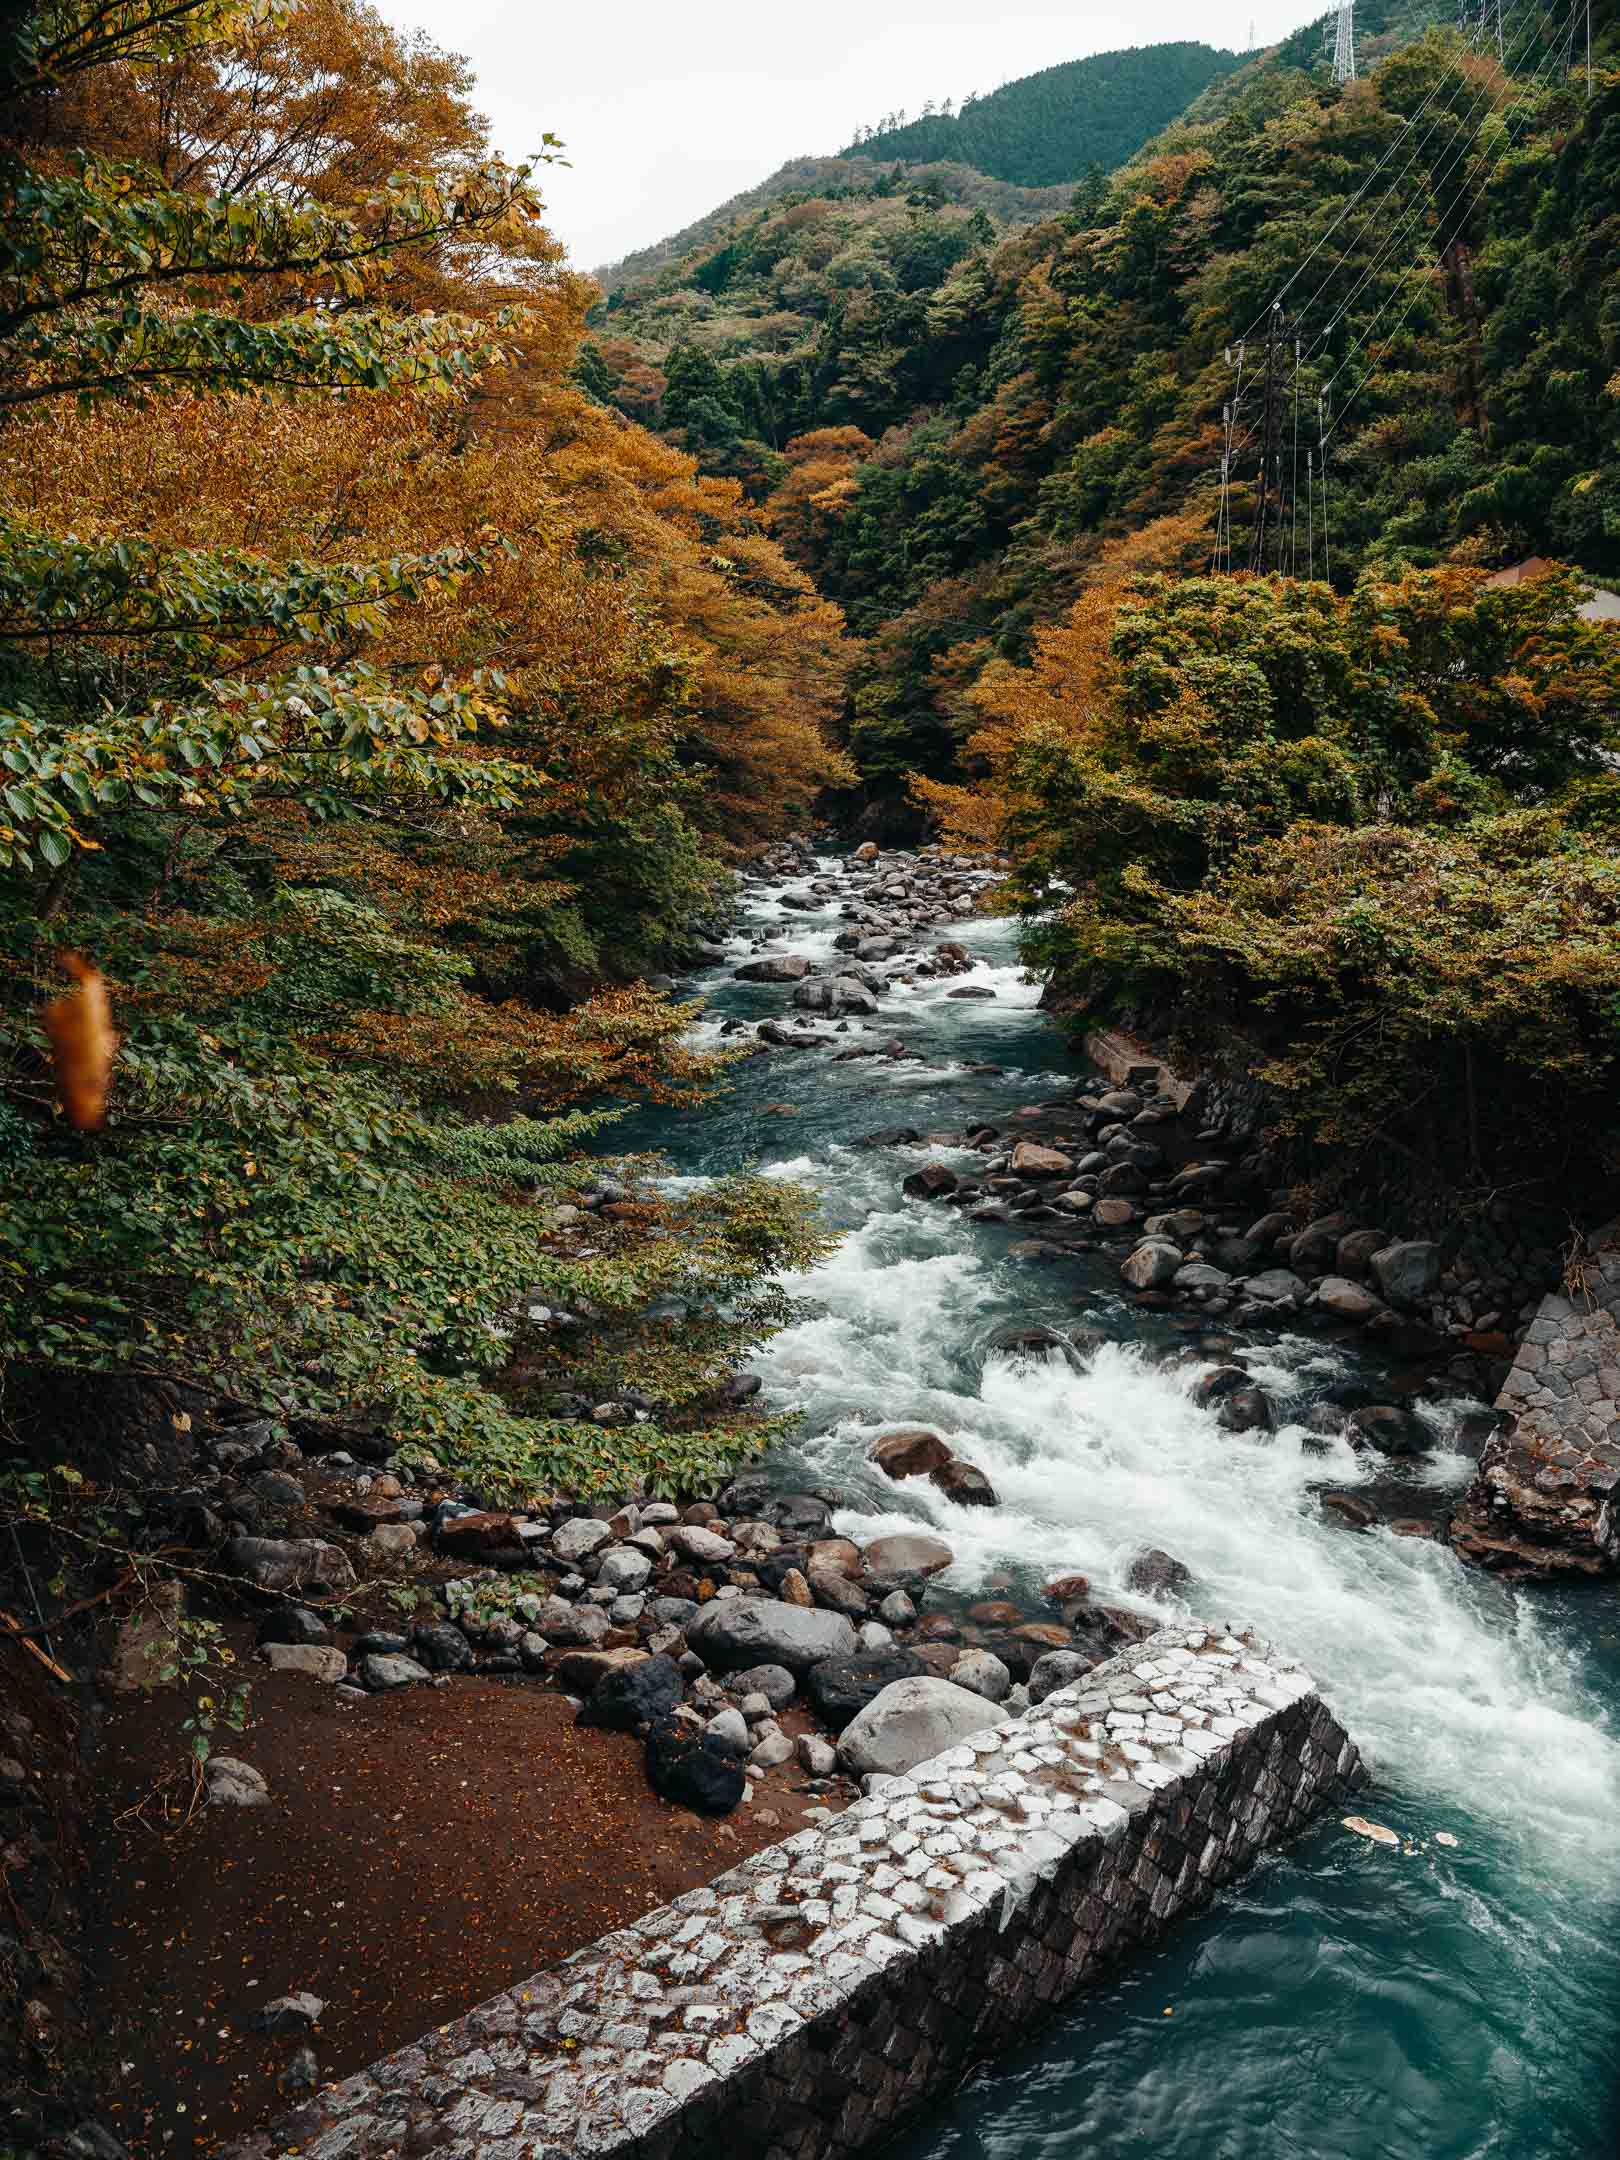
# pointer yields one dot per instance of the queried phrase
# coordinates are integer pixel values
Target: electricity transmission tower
(1344, 44)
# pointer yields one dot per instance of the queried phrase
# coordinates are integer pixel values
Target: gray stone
(1057, 1669)
(318, 1661)
(737, 1633)
(290, 1564)
(1276, 1286)
(693, 1542)
(1347, 1300)
(897, 1610)
(378, 1672)
(731, 1725)
(773, 1684)
(911, 1721)
(817, 1757)
(623, 1570)
(982, 1673)
(579, 1538)
(771, 1748)
(288, 2014)
(234, 1783)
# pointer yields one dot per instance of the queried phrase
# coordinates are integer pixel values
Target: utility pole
(1267, 508)
(1344, 43)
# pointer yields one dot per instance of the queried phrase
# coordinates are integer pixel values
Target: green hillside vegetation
(811, 176)
(1048, 128)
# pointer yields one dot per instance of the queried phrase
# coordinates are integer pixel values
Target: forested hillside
(376, 710)
(1048, 128)
(960, 463)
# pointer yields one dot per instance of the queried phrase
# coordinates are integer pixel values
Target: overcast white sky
(666, 109)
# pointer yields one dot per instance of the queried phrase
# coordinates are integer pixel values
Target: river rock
(1031, 1160)
(378, 1673)
(839, 1688)
(774, 1684)
(290, 1564)
(905, 1554)
(1153, 1265)
(774, 968)
(1276, 1286)
(1347, 1300)
(578, 1539)
(294, 1624)
(1157, 1574)
(982, 1673)
(837, 1592)
(441, 1647)
(1407, 1272)
(1018, 1338)
(705, 1547)
(1387, 1429)
(633, 1696)
(913, 1451)
(734, 1633)
(623, 1570)
(1246, 1409)
(234, 1783)
(965, 1483)
(1355, 1251)
(932, 1182)
(910, 1722)
(702, 1770)
(320, 1662)
(1198, 1279)
(1057, 1669)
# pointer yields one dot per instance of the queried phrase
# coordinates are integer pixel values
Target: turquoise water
(1346, 2001)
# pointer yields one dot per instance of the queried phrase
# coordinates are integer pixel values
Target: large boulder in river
(734, 1632)
(910, 1722)
(913, 1451)
(905, 1554)
(965, 1483)
(775, 968)
(1348, 1300)
(1157, 1574)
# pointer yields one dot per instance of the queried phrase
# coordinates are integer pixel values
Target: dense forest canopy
(1048, 128)
(376, 709)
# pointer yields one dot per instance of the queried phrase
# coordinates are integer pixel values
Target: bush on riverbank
(372, 708)
(1366, 846)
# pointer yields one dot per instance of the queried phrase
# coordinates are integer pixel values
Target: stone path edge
(811, 1999)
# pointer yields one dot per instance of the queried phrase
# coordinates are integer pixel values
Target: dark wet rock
(839, 1688)
(702, 1771)
(1246, 1409)
(1213, 1387)
(799, 1515)
(914, 1451)
(1407, 1272)
(932, 1182)
(1016, 1338)
(1348, 1300)
(1348, 1508)
(964, 1483)
(294, 1624)
(1158, 1574)
(897, 1559)
(1387, 1429)
(890, 1136)
(440, 1646)
(633, 1697)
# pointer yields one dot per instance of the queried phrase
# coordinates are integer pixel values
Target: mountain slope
(804, 176)
(1047, 128)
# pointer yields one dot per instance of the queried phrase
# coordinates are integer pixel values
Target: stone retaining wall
(809, 2000)
(1543, 1500)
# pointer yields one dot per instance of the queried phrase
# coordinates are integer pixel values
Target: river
(1345, 2001)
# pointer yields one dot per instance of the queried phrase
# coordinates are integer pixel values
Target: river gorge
(1452, 1996)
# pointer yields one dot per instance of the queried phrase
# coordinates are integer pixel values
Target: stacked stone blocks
(809, 2000)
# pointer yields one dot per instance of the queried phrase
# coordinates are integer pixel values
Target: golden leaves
(83, 1043)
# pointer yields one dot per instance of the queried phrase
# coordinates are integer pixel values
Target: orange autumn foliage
(83, 1044)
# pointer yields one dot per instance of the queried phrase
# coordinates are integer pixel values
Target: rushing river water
(1345, 2001)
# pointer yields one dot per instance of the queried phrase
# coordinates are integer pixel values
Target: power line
(1344, 44)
